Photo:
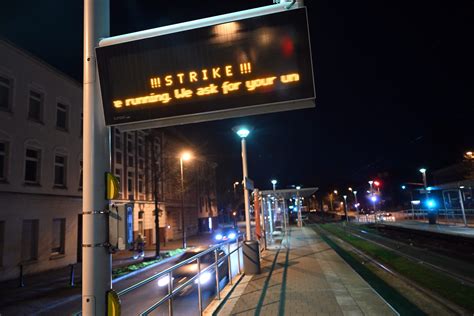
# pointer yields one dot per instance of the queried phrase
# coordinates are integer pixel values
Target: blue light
(231, 236)
(373, 198)
(431, 203)
(218, 237)
(404, 187)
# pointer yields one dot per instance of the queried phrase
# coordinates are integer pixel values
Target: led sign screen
(246, 63)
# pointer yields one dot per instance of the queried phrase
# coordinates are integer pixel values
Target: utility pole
(97, 261)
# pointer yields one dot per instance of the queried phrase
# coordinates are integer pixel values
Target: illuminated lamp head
(373, 198)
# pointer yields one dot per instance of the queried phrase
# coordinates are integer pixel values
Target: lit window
(5, 93)
(61, 116)
(35, 109)
(32, 166)
(60, 171)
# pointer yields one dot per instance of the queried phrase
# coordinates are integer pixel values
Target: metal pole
(229, 264)
(170, 290)
(462, 207)
(345, 207)
(199, 286)
(216, 259)
(246, 192)
(262, 207)
(97, 261)
(238, 254)
(183, 229)
(300, 223)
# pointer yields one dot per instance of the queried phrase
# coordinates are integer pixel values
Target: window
(130, 182)
(2, 241)
(140, 183)
(80, 174)
(5, 93)
(129, 146)
(140, 163)
(3, 160)
(140, 147)
(35, 109)
(29, 240)
(32, 165)
(118, 157)
(118, 139)
(60, 171)
(61, 116)
(118, 174)
(58, 238)
(130, 161)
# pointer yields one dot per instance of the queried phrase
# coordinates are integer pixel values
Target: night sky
(394, 85)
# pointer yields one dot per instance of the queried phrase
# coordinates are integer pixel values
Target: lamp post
(185, 156)
(275, 203)
(423, 172)
(243, 132)
(300, 223)
(345, 207)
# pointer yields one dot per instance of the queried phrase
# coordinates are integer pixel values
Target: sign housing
(255, 65)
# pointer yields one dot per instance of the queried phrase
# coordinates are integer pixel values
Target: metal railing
(169, 272)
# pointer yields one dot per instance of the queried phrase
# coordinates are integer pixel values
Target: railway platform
(461, 231)
(304, 276)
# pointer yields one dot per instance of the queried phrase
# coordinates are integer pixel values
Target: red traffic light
(376, 183)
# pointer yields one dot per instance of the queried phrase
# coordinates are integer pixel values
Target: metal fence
(163, 294)
(448, 216)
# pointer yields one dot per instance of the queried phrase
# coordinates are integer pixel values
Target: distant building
(40, 164)
(41, 171)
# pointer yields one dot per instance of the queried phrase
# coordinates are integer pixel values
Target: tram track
(398, 249)
(452, 308)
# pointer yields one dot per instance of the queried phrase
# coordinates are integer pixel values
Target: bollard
(71, 274)
(251, 257)
(22, 284)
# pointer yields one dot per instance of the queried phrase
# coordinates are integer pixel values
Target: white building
(40, 164)
(41, 171)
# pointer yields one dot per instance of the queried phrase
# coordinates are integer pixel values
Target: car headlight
(203, 278)
(163, 281)
(218, 237)
(231, 235)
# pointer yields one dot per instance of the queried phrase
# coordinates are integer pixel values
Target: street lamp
(370, 183)
(185, 156)
(423, 172)
(243, 132)
(274, 182)
(355, 200)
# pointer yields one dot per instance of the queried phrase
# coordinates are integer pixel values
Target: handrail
(169, 271)
(166, 271)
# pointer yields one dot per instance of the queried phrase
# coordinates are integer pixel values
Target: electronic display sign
(249, 63)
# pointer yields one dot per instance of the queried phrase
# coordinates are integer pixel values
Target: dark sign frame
(250, 66)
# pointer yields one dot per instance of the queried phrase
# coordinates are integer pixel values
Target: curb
(133, 273)
(215, 309)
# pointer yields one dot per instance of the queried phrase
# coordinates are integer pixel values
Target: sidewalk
(304, 276)
(435, 228)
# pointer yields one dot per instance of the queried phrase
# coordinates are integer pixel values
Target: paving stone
(310, 277)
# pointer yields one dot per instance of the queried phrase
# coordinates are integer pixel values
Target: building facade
(40, 164)
(41, 171)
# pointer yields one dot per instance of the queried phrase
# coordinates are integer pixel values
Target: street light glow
(350, 189)
(243, 132)
(298, 187)
(370, 182)
(373, 198)
(185, 156)
(274, 181)
(422, 170)
(404, 187)
(335, 191)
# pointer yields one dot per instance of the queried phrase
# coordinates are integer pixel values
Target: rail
(167, 276)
